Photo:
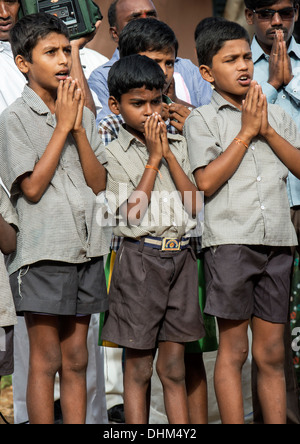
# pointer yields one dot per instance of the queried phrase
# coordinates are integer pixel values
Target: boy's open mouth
(63, 75)
(244, 80)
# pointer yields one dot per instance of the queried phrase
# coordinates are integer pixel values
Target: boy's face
(51, 63)
(136, 106)
(265, 27)
(166, 61)
(232, 70)
(8, 17)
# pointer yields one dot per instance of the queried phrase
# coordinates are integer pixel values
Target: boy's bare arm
(210, 178)
(8, 237)
(189, 192)
(34, 184)
(287, 153)
(94, 172)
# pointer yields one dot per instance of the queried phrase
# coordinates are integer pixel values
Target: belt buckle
(171, 245)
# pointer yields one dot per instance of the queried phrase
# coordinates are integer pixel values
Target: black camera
(80, 16)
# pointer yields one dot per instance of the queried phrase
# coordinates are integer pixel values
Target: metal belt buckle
(170, 245)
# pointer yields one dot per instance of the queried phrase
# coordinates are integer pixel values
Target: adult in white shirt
(12, 83)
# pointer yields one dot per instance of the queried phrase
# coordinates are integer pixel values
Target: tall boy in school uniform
(51, 163)
(153, 297)
(240, 151)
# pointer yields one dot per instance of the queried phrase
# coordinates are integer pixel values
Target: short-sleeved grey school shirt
(166, 216)
(7, 308)
(252, 206)
(62, 226)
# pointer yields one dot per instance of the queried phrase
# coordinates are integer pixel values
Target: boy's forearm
(8, 237)
(94, 172)
(288, 154)
(136, 206)
(189, 192)
(34, 184)
(212, 177)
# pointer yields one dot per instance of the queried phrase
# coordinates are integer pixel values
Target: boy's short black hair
(209, 43)
(258, 4)
(147, 34)
(134, 71)
(26, 33)
(208, 21)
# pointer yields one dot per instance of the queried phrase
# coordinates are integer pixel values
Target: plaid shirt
(109, 128)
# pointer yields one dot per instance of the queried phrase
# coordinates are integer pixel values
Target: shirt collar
(35, 102)
(257, 51)
(219, 102)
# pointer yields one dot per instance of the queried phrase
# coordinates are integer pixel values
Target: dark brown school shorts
(153, 297)
(244, 281)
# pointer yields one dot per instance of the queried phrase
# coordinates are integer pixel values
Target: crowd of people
(150, 207)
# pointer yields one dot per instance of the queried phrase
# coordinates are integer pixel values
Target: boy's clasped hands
(255, 120)
(156, 136)
(69, 105)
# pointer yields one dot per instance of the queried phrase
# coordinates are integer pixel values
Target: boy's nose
(148, 109)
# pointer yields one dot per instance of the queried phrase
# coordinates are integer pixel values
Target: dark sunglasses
(268, 14)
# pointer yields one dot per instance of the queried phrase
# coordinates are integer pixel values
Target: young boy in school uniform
(240, 152)
(8, 318)
(153, 297)
(51, 158)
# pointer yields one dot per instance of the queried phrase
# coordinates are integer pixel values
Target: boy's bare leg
(196, 386)
(137, 382)
(269, 353)
(171, 371)
(232, 354)
(73, 336)
(44, 362)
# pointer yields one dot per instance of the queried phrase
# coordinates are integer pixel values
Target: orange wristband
(242, 142)
(154, 168)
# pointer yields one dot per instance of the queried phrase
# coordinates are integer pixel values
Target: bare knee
(75, 360)
(269, 356)
(139, 368)
(171, 370)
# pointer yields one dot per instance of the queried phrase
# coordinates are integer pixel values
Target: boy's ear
(206, 73)
(22, 64)
(114, 105)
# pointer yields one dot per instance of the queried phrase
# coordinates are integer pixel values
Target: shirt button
(165, 199)
(262, 207)
(253, 147)
(284, 97)
(259, 179)
(295, 91)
